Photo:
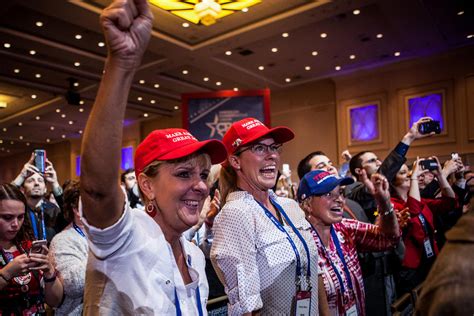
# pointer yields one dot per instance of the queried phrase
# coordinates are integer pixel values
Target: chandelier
(204, 12)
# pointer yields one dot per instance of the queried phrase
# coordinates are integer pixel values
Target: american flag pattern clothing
(353, 236)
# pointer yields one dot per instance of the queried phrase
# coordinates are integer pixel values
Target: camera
(429, 126)
(40, 160)
(429, 164)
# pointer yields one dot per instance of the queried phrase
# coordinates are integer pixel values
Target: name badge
(303, 303)
(352, 311)
(428, 250)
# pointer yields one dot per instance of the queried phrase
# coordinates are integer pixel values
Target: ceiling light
(76, 84)
(51, 128)
(176, 107)
(3, 104)
(141, 81)
(337, 68)
(236, 89)
(27, 144)
(77, 64)
(71, 122)
(39, 23)
(274, 49)
(12, 142)
(396, 54)
(78, 36)
(218, 83)
(101, 44)
(38, 76)
(37, 118)
(58, 110)
(16, 70)
(63, 115)
(352, 56)
(1, 141)
(48, 140)
(81, 102)
(80, 131)
(63, 136)
(323, 35)
(261, 68)
(228, 53)
(4, 129)
(356, 12)
(185, 24)
(20, 137)
(7, 45)
(32, 52)
(20, 124)
(205, 79)
(380, 35)
(245, 10)
(314, 53)
(81, 110)
(33, 96)
(307, 68)
(470, 36)
(288, 79)
(185, 72)
(460, 12)
(139, 98)
(285, 34)
(145, 114)
(152, 101)
(156, 85)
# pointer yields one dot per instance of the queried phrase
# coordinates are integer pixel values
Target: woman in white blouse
(262, 251)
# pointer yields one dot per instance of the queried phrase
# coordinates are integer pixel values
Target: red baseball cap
(249, 129)
(174, 143)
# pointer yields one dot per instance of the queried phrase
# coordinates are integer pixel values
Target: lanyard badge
(303, 303)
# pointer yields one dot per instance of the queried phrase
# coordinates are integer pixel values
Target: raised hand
(127, 28)
(403, 217)
(381, 191)
(214, 208)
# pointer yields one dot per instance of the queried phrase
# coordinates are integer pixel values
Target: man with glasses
(129, 183)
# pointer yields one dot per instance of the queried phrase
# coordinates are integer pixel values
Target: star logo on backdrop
(218, 127)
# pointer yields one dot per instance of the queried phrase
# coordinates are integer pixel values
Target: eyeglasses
(333, 195)
(263, 149)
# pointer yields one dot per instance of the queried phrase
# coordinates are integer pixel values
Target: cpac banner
(209, 115)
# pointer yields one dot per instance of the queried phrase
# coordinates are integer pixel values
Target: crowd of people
(199, 219)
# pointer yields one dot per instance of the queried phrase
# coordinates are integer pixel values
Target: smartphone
(37, 246)
(40, 160)
(285, 170)
(430, 126)
(454, 156)
(429, 164)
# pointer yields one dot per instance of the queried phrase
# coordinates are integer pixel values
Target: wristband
(390, 211)
(51, 279)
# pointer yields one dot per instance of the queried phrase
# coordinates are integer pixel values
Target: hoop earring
(151, 209)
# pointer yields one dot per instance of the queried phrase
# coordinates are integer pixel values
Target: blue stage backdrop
(209, 115)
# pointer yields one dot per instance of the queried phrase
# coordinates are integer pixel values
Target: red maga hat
(248, 130)
(174, 143)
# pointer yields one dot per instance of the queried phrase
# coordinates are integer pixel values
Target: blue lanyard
(423, 224)
(198, 298)
(292, 243)
(78, 230)
(341, 256)
(34, 223)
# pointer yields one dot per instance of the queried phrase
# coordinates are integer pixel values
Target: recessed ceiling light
(12, 142)
(51, 128)
(337, 68)
(352, 56)
(78, 36)
(7, 45)
(141, 81)
(20, 137)
(139, 98)
(8, 150)
(145, 114)
(285, 34)
(39, 23)
(380, 35)
(81, 102)
(71, 122)
(1, 141)
(27, 144)
(37, 118)
(38, 76)
(307, 68)
(261, 68)
(176, 107)
(76, 84)
(63, 115)
(470, 36)
(80, 131)
(16, 70)
(245, 10)
(77, 64)
(205, 78)
(218, 83)
(101, 44)
(236, 89)
(228, 53)
(4, 129)
(288, 79)
(314, 53)
(81, 110)
(32, 52)
(396, 54)
(185, 72)
(323, 35)
(20, 124)
(274, 49)
(58, 110)
(185, 24)
(33, 96)
(460, 12)
(48, 140)
(63, 136)
(152, 101)
(156, 85)
(356, 12)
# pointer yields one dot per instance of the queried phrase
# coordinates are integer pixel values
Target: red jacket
(413, 234)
